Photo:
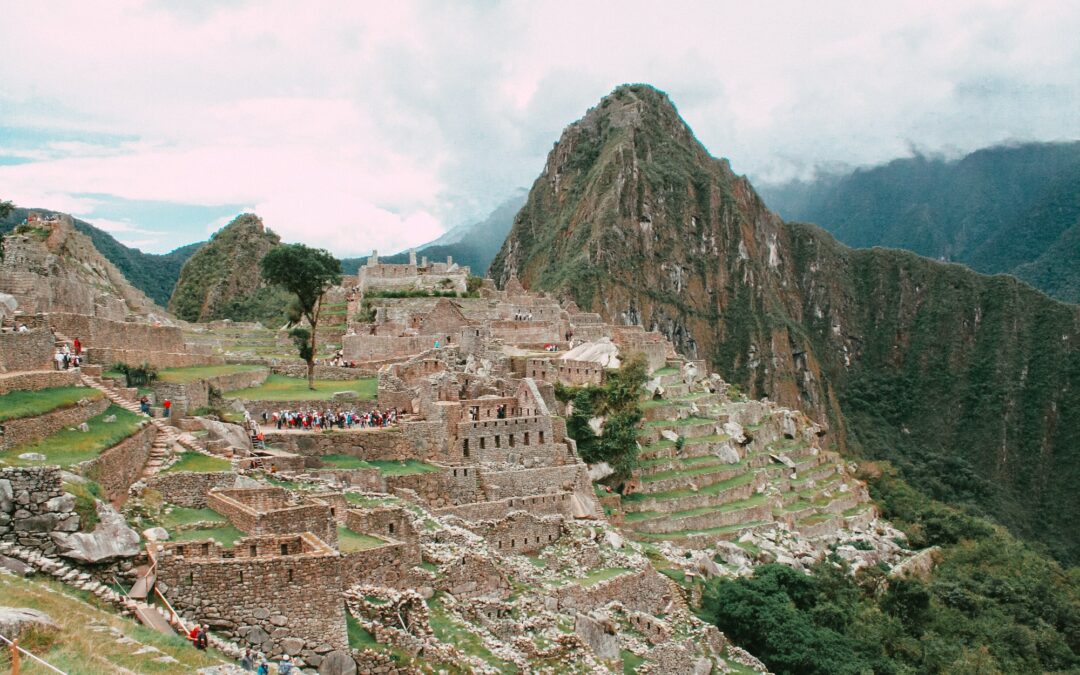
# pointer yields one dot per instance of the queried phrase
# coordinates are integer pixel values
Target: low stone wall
(732, 494)
(392, 522)
(189, 488)
(32, 350)
(30, 429)
(503, 484)
(323, 372)
(121, 465)
(106, 357)
(474, 576)
(266, 511)
(762, 512)
(390, 565)
(38, 379)
(33, 505)
(645, 591)
(388, 443)
(554, 503)
(520, 532)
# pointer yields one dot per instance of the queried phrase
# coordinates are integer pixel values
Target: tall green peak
(222, 280)
(969, 383)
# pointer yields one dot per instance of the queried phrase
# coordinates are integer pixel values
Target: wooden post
(15, 657)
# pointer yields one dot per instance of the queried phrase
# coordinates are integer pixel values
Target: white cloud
(361, 126)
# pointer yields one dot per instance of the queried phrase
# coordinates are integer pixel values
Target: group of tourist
(522, 316)
(68, 357)
(315, 420)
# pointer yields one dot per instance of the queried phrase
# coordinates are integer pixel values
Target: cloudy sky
(379, 125)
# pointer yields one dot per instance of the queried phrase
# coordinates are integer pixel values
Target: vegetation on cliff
(221, 281)
(992, 605)
(1012, 209)
(971, 384)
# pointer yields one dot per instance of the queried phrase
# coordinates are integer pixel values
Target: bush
(137, 376)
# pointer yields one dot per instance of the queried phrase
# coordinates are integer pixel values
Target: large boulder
(337, 663)
(601, 636)
(15, 622)
(233, 434)
(111, 539)
(8, 305)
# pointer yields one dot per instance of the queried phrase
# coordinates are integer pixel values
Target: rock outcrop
(111, 539)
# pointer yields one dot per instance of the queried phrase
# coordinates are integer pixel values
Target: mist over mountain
(1010, 208)
(969, 383)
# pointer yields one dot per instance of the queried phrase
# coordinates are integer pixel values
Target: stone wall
(567, 371)
(323, 372)
(452, 485)
(275, 593)
(108, 342)
(30, 429)
(644, 591)
(32, 350)
(392, 522)
(193, 395)
(260, 511)
(189, 488)
(520, 532)
(388, 443)
(552, 503)
(121, 465)
(38, 379)
(473, 576)
(503, 484)
(33, 505)
(390, 565)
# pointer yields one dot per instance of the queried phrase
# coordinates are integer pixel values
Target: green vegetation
(450, 631)
(305, 273)
(195, 373)
(179, 516)
(21, 403)
(993, 605)
(386, 467)
(75, 648)
(596, 576)
(220, 281)
(226, 535)
(350, 541)
(359, 637)
(618, 400)
(631, 662)
(282, 388)
(134, 376)
(86, 494)
(195, 461)
(71, 446)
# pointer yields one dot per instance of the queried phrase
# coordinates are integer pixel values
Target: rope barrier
(16, 649)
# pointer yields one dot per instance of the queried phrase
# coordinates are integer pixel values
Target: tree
(5, 210)
(307, 273)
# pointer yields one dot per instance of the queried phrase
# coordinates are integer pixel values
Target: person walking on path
(248, 662)
(167, 404)
(78, 346)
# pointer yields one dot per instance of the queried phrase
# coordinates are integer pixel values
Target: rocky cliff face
(971, 383)
(222, 280)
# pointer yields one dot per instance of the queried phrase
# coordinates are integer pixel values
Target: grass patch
(386, 467)
(226, 535)
(350, 541)
(671, 536)
(195, 461)
(702, 469)
(667, 370)
(449, 631)
(684, 422)
(363, 500)
(179, 516)
(67, 447)
(712, 489)
(630, 662)
(196, 373)
(86, 496)
(76, 649)
(596, 576)
(20, 403)
(359, 637)
(283, 388)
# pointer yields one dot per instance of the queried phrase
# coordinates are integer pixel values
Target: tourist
(59, 358)
(22, 328)
(167, 404)
(264, 668)
(285, 666)
(78, 346)
(203, 638)
(248, 662)
(193, 636)
(144, 405)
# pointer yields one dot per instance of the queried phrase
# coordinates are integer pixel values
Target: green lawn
(67, 447)
(180, 516)
(226, 535)
(386, 467)
(687, 492)
(685, 422)
(16, 404)
(631, 662)
(282, 388)
(194, 373)
(350, 541)
(194, 461)
(665, 371)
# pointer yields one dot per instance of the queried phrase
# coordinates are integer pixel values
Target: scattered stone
(17, 621)
(33, 456)
(337, 663)
(84, 427)
(156, 534)
(110, 419)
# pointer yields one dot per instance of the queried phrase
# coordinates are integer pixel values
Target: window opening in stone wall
(179, 550)
(511, 440)
(498, 444)
(481, 442)
(206, 549)
(465, 471)
(541, 437)
(285, 551)
(390, 528)
(290, 574)
(190, 578)
(254, 550)
(241, 576)
(526, 438)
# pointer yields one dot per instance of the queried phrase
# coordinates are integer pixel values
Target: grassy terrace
(685, 422)
(711, 465)
(386, 467)
(77, 649)
(16, 404)
(687, 462)
(179, 516)
(448, 630)
(226, 535)
(726, 529)
(195, 373)
(350, 541)
(282, 388)
(712, 489)
(194, 461)
(665, 371)
(67, 447)
(750, 502)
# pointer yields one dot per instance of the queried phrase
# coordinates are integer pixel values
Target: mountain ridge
(634, 219)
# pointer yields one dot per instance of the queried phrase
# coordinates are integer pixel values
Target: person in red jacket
(167, 404)
(78, 347)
